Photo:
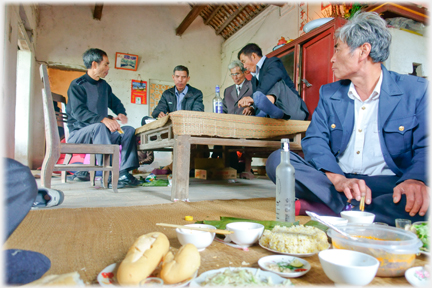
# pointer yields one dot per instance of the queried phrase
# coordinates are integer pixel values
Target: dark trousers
(100, 134)
(20, 193)
(314, 186)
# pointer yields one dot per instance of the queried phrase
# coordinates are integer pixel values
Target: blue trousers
(100, 134)
(313, 186)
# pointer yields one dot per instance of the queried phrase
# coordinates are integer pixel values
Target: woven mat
(226, 125)
(89, 239)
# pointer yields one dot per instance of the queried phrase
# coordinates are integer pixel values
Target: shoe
(80, 176)
(57, 198)
(126, 180)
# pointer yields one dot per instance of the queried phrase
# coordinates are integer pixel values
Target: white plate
(411, 277)
(107, 278)
(276, 279)
(290, 254)
(265, 261)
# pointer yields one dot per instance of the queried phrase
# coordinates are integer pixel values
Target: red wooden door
(316, 67)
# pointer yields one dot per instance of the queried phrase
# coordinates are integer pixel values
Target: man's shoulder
(193, 90)
(169, 91)
(80, 80)
(397, 77)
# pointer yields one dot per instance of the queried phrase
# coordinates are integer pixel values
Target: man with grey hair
(241, 88)
(89, 98)
(367, 136)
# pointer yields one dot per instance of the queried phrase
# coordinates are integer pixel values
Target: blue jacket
(401, 125)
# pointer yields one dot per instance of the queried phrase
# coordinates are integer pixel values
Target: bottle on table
(217, 102)
(285, 186)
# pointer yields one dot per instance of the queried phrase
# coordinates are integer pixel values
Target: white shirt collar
(352, 92)
(241, 84)
(258, 66)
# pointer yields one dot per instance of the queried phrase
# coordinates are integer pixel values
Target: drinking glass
(403, 223)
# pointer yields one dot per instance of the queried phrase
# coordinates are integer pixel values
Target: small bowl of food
(346, 267)
(395, 248)
(358, 217)
(201, 239)
(245, 233)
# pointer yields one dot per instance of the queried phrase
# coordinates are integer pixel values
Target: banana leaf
(268, 224)
(316, 224)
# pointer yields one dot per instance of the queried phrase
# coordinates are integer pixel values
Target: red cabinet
(307, 60)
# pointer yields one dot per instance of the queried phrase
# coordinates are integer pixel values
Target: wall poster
(139, 92)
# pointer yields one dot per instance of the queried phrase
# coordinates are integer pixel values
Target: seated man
(367, 137)
(88, 119)
(266, 73)
(234, 93)
(180, 97)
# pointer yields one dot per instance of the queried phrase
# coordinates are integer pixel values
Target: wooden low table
(181, 129)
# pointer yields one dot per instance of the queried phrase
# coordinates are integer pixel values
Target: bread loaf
(182, 266)
(142, 258)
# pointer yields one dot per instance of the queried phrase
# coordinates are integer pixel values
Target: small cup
(151, 281)
(403, 223)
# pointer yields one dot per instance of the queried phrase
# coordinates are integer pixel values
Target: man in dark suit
(241, 88)
(368, 135)
(266, 73)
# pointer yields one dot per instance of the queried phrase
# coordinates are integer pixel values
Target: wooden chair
(54, 147)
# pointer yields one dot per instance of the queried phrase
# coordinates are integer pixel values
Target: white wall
(408, 48)
(66, 31)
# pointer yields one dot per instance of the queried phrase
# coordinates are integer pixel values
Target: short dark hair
(249, 49)
(93, 54)
(181, 68)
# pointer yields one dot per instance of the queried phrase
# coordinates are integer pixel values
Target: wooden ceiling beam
(192, 15)
(97, 13)
(228, 21)
(212, 15)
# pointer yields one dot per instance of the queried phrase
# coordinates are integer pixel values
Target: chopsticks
(362, 203)
(217, 231)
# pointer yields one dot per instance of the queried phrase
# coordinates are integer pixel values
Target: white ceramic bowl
(358, 217)
(346, 267)
(245, 233)
(200, 239)
(335, 220)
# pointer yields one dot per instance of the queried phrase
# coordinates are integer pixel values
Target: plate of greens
(421, 229)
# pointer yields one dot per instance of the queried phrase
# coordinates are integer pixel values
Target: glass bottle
(285, 186)
(217, 102)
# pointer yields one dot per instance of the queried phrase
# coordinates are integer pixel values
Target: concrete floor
(82, 194)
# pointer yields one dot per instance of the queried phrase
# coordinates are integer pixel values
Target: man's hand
(417, 196)
(245, 102)
(122, 118)
(248, 111)
(351, 187)
(111, 124)
(162, 114)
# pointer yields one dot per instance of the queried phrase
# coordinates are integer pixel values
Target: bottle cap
(217, 88)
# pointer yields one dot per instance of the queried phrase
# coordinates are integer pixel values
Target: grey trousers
(100, 134)
(314, 186)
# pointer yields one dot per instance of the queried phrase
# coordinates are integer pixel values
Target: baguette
(142, 258)
(182, 266)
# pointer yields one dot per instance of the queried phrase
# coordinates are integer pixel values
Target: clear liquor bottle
(285, 186)
(217, 102)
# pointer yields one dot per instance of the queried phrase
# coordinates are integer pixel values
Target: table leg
(181, 168)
